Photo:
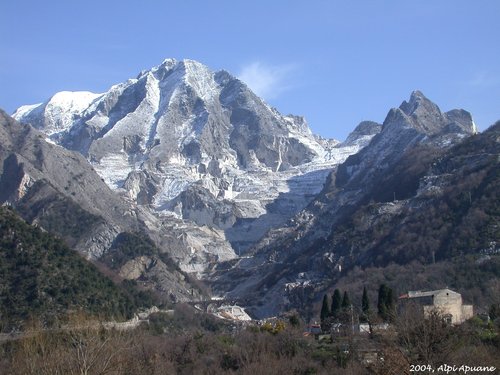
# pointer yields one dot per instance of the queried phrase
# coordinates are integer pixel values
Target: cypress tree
(382, 298)
(389, 304)
(325, 309)
(385, 302)
(336, 303)
(365, 303)
(346, 303)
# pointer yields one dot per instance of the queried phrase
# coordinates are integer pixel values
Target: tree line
(341, 310)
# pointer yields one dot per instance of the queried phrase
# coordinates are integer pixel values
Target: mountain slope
(389, 168)
(182, 139)
(58, 190)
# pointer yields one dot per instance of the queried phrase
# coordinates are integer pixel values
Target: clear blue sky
(335, 62)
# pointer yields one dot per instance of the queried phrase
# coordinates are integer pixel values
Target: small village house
(445, 301)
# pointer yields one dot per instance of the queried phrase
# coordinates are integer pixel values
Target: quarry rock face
(199, 146)
(294, 259)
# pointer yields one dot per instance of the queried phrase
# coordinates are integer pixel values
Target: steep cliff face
(183, 140)
(409, 140)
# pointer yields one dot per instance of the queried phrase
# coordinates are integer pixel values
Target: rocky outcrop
(364, 132)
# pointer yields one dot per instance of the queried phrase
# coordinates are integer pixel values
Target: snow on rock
(59, 112)
(199, 145)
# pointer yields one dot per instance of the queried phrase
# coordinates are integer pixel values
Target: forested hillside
(444, 205)
(41, 277)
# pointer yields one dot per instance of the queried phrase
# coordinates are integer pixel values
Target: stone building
(445, 301)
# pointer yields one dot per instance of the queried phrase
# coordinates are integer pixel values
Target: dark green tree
(365, 305)
(494, 311)
(325, 309)
(294, 320)
(381, 304)
(336, 303)
(389, 304)
(346, 303)
(385, 302)
(365, 302)
(345, 315)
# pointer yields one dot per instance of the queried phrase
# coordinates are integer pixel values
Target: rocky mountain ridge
(199, 145)
(296, 254)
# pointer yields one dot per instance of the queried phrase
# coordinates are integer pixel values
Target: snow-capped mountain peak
(196, 143)
(58, 112)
